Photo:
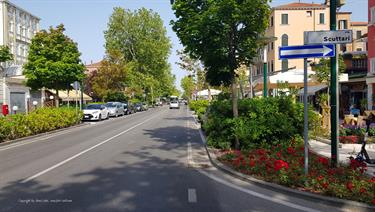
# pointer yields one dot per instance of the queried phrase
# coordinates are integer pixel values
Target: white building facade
(17, 28)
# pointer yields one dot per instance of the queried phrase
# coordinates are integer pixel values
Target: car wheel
(100, 117)
(107, 116)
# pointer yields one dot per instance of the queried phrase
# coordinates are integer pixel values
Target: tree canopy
(141, 38)
(53, 60)
(223, 34)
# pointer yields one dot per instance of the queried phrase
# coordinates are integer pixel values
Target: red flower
(331, 171)
(362, 190)
(252, 163)
(320, 178)
(278, 154)
(325, 185)
(372, 180)
(279, 164)
(261, 151)
(291, 150)
(323, 161)
(349, 186)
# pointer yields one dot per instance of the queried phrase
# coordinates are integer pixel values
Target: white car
(174, 104)
(115, 109)
(95, 112)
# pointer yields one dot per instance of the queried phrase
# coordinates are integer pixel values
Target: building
(371, 54)
(91, 70)
(17, 28)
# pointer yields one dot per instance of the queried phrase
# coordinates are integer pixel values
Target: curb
(268, 185)
(8, 142)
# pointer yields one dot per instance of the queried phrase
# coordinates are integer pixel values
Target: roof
(297, 5)
(359, 23)
(95, 65)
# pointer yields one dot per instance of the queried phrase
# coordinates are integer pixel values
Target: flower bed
(285, 165)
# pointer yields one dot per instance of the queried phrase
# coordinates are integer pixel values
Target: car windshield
(174, 102)
(110, 104)
(93, 107)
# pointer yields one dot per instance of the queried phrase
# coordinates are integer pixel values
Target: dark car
(138, 107)
(128, 108)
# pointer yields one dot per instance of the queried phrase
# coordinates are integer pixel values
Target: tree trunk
(235, 109)
(209, 94)
(57, 98)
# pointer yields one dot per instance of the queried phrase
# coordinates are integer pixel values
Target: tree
(322, 73)
(188, 85)
(53, 61)
(142, 39)
(223, 34)
(111, 76)
(5, 56)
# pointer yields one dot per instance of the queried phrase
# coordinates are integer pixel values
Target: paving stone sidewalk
(345, 151)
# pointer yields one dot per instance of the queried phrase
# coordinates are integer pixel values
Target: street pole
(265, 80)
(334, 101)
(306, 117)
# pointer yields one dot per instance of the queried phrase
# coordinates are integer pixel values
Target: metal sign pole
(306, 117)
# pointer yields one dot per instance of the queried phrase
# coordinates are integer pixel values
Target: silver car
(115, 109)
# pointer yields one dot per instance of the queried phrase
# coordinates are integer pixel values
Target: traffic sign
(306, 51)
(329, 37)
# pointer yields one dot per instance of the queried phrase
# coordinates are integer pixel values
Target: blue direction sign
(306, 51)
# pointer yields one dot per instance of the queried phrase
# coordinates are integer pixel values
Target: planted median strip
(38, 121)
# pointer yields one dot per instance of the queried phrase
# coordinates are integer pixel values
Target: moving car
(95, 112)
(174, 104)
(115, 109)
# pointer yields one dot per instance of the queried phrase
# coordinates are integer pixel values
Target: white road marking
(256, 194)
(192, 195)
(83, 152)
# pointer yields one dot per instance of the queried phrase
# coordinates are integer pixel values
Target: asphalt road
(150, 161)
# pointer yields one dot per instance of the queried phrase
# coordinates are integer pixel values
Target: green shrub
(261, 121)
(198, 105)
(38, 121)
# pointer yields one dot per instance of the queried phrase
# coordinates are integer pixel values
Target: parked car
(115, 109)
(144, 106)
(128, 108)
(138, 107)
(95, 112)
(174, 104)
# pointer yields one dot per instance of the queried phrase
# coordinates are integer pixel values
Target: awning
(63, 95)
(214, 92)
(311, 90)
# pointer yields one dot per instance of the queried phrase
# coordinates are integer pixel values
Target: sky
(86, 20)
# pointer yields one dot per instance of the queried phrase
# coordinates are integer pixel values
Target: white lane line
(192, 195)
(256, 194)
(83, 152)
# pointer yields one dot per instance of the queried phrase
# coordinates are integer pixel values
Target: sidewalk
(345, 152)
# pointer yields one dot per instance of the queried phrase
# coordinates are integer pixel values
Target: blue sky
(85, 20)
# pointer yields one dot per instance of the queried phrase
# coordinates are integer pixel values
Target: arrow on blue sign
(306, 51)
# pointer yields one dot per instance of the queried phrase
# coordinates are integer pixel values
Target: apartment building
(17, 28)
(287, 24)
(371, 54)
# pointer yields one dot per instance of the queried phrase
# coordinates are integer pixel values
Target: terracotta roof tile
(297, 5)
(94, 65)
(359, 23)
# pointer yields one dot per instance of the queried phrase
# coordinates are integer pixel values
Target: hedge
(38, 121)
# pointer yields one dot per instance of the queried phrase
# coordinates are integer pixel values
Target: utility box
(5, 110)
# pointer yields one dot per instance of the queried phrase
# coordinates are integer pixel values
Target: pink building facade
(371, 54)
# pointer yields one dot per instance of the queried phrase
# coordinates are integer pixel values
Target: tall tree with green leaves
(111, 76)
(223, 34)
(53, 61)
(142, 39)
(188, 85)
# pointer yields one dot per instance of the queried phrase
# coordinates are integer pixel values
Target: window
(321, 18)
(359, 49)
(272, 46)
(284, 19)
(284, 40)
(343, 24)
(372, 20)
(359, 34)
(271, 21)
(272, 70)
(284, 65)
(372, 65)
(308, 13)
